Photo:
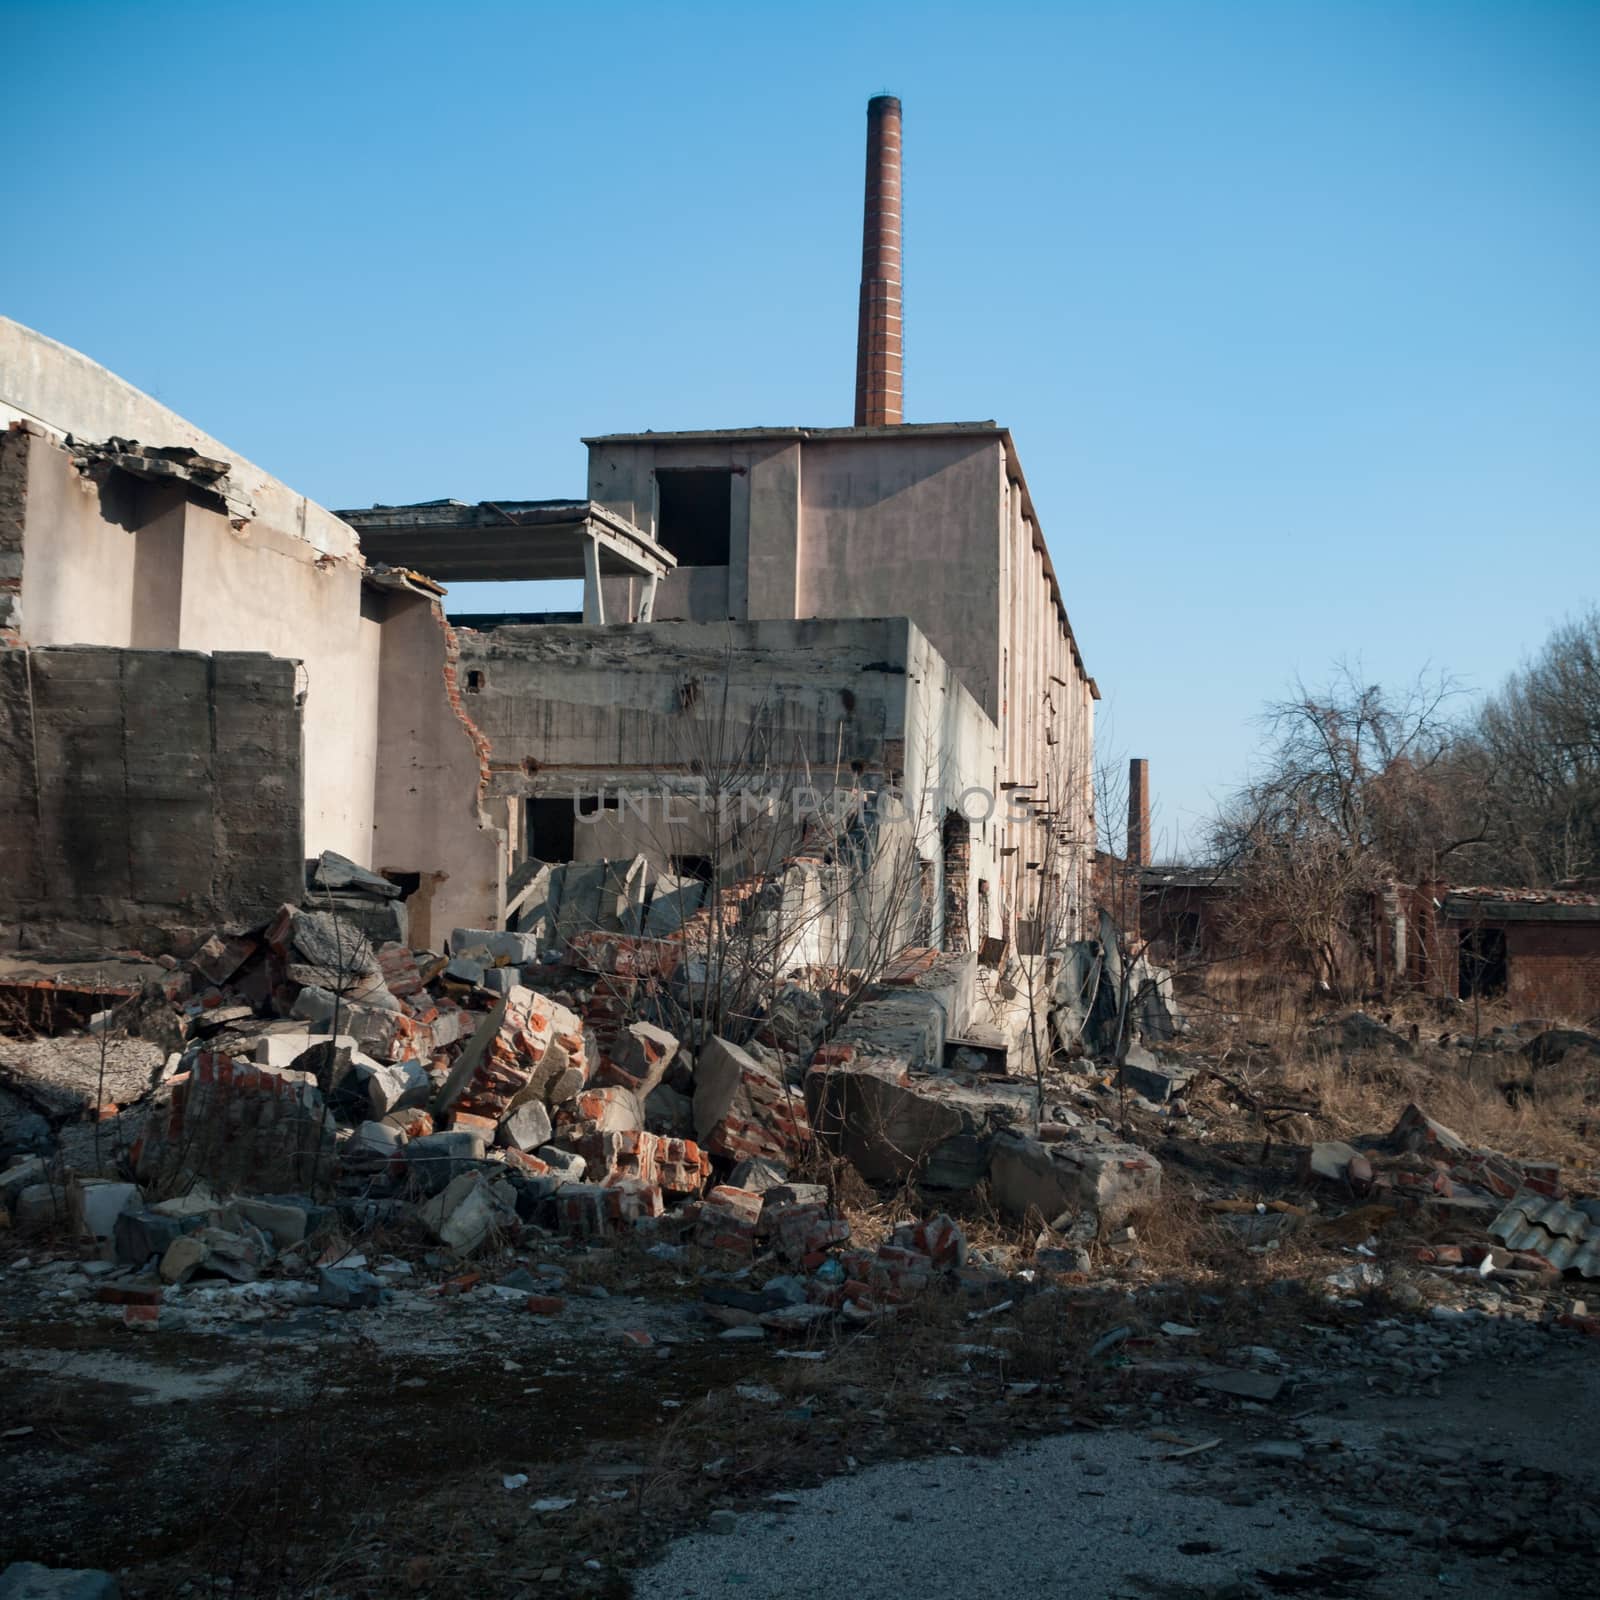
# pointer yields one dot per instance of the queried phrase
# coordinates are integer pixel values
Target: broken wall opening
(552, 828)
(956, 844)
(1484, 970)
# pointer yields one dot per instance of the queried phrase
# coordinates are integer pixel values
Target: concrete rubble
(334, 1131)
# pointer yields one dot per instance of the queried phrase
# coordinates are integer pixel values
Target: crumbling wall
(429, 815)
(569, 709)
(145, 794)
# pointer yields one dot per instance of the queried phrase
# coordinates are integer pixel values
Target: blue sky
(1290, 307)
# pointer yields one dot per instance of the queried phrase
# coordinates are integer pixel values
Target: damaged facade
(757, 851)
(874, 605)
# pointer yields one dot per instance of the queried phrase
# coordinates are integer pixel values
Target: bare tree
(1528, 766)
(1356, 793)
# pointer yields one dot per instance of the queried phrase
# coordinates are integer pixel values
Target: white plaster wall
(246, 591)
(77, 571)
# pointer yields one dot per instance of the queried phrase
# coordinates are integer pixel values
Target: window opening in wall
(694, 514)
(693, 867)
(1483, 962)
(474, 681)
(551, 829)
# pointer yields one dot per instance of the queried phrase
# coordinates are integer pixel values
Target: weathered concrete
(934, 522)
(629, 717)
(146, 790)
(114, 555)
(891, 1126)
(1105, 1180)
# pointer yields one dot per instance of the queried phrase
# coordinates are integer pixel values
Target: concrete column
(594, 603)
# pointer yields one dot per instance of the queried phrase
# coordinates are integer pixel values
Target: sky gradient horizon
(1290, 308)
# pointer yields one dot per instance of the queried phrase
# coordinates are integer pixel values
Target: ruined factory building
(207, 677)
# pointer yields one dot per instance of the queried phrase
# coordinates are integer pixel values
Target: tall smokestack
(1138, 812)
(880, 396)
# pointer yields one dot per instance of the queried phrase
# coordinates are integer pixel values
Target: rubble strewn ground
(338, 1268)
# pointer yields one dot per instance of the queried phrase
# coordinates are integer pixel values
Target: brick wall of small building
(1554, 969)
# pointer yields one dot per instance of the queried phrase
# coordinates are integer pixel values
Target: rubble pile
(316, 1077)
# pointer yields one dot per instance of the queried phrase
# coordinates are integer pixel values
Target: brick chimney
(879, 350)
(1138, 812)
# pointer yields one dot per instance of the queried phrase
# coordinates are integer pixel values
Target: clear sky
(1292, 308)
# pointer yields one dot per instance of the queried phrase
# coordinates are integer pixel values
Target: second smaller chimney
(1138, 812)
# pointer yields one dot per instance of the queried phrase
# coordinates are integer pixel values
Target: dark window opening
(552, 829)
(957, 842)
(590, 804)
(694, 515)
(474, 681)
(693, 867)
(1483, 963)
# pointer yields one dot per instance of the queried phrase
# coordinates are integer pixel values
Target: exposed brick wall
(145, 795)
(1117, 892)
(1554, 969)
(452, 690)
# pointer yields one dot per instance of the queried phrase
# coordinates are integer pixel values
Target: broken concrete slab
(395, 1086)
(743, 1108)
(381, 921)
(890, 1124)
(759, 1173)
(348, 1288)
(639, 1058)
(674, 901)
(337, 873)
(1149, 1075)
(468, 1210)
(98, 1202)
(666, 1111)
(527, 1127)
(139, 1235)
(1106, 1181)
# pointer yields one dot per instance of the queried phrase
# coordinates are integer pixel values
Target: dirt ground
(301, 1452)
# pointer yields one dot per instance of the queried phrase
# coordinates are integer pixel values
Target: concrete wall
(145, 796)
(936, 526)
(643, 714)
(429, 816)
(117, 560)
